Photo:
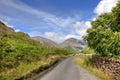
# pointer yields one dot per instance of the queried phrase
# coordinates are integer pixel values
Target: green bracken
(19, 54)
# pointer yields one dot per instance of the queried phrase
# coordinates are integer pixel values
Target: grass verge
(24, 69)
(83, 62)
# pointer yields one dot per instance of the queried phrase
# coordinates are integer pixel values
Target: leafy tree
(104, 36)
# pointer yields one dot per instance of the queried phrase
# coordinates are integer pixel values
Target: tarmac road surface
(68, 70)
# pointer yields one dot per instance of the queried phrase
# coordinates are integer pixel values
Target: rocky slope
(73, 43)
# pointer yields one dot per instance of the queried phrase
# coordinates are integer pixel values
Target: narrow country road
(68, 70)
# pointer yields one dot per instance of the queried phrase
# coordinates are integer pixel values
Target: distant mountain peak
(71, 39)
(73, 43)
(45, 41)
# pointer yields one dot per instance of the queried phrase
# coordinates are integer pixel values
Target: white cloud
(17, 30)
(81, 27)
(6, 18)
(47, 17)
(11, 26)
(50, 34)
(68, 26)
(54, 36)
(88, 24)
(72, 36)
(105, 6)
(93, 19)
(57, 37)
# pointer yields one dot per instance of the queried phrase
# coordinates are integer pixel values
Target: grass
(97, 72)
(24, 69)
(87, 50)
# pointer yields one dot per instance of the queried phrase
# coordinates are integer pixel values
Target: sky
(57, 20)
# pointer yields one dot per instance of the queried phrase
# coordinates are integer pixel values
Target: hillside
(16, 48)
(19, 54)
(5, 29)
(73, 43)
(45, 41)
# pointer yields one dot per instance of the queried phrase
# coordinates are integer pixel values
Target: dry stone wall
(108, 65)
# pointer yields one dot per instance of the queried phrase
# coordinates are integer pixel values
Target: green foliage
(72, 50)
(63, 51)
(18, 48)
(104, 36)
(109, 20)
(87, 50)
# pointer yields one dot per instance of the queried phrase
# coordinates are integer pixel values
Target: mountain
(73, 43)
(70, 43)
(45, 41)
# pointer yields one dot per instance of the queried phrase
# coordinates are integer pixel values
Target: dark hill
(5, 29)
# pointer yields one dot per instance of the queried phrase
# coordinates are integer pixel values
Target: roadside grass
(87, 50)
(83, 62)
(24, 69)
